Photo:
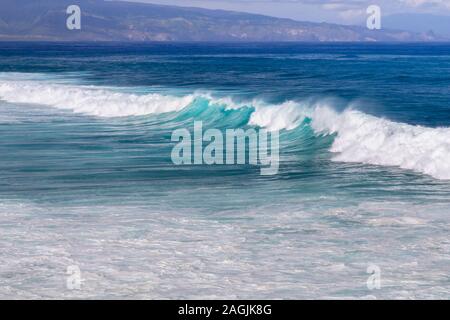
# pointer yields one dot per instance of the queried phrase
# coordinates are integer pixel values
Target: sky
(335, 11)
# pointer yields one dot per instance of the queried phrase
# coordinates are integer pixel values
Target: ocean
(87, 182)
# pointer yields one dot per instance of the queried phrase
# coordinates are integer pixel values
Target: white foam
(91, 100)
(127, 251)
(367, 139)
(362, 138)
(287, 116)
(226, 101)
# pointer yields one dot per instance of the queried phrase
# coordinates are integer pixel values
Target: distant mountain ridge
(419, 23)
(30, 20)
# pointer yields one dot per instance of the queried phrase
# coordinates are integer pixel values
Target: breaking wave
(91, 100)
(359, 137)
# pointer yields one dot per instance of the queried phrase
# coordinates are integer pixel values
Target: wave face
(359, 137)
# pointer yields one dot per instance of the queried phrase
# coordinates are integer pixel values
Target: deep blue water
(86, 173)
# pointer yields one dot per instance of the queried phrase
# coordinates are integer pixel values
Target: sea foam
(368, 139)
(91, 100)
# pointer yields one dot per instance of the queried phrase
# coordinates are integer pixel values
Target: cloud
(338, 11)
(331, 4)
(418, 3)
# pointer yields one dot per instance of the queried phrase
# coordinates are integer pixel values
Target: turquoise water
(87, 178)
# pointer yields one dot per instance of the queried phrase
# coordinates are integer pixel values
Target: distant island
(45, 20)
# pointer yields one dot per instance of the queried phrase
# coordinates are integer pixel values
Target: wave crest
(363, 138)
(91, 101)
(359, 137)
(367, 139)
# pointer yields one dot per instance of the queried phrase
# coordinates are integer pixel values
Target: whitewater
(359, 138)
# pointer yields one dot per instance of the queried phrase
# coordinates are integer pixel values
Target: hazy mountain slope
(419, 23)
(125, 21)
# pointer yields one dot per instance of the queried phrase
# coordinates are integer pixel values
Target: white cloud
(338, 11)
